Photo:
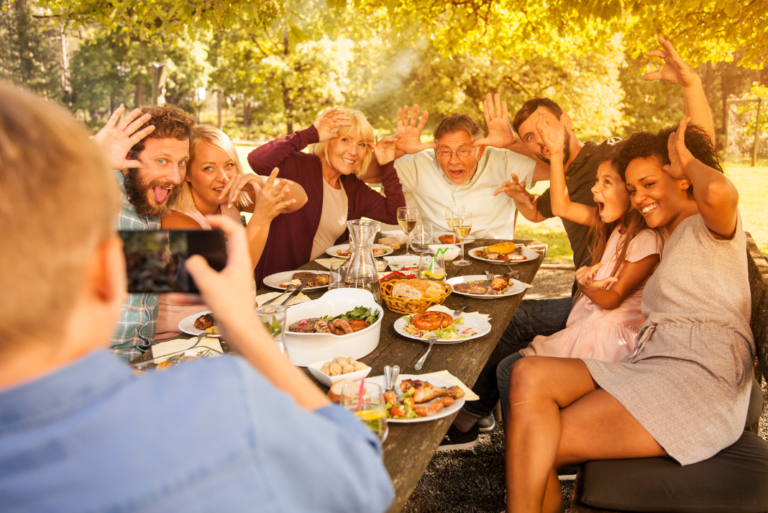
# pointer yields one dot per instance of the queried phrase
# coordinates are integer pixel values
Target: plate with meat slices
(315, 280)
(477, 286)
(416, 400)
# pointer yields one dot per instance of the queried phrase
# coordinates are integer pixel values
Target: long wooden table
(410, 447)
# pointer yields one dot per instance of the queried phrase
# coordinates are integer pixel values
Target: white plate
(396, 263)
(450, 410)
(274, 280)
(345, 247)
(528, 253)
(482, 327)
(515, 288)
(314, 369)
(187, 324)
(438, 235)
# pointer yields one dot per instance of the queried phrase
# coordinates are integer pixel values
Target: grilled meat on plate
(426, 392)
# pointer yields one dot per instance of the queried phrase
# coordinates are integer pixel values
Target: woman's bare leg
(558, 416)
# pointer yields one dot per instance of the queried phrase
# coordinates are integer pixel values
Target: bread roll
(391, 242)
(404, 290)
(334, 393)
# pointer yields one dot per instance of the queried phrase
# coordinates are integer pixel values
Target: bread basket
(408, 306)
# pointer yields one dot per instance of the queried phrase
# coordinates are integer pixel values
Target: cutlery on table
(294, 294)
(423, 359)
(459, 310)
(288, 290)
(390, 377)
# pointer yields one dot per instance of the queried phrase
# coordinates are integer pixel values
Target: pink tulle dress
(592, 331)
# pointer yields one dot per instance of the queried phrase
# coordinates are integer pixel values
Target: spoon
(423, 359)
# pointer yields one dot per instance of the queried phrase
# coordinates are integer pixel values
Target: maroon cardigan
(289, 245)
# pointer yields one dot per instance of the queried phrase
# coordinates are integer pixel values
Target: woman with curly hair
(684, 390)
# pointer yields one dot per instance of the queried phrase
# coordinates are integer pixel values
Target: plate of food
(418, 400)
(342, 250)
(201, 322)
(477, 286)
(504, 253)
(447, 329)
(314, 279)
(404, 263)
(449, 238)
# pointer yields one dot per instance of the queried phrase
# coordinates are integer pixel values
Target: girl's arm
(631, 276)
(562, 206)
(716, 197)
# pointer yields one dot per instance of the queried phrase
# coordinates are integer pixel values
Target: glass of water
(421, 238)
(273, 318)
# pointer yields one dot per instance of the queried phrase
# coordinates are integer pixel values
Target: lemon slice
(434, 276)
(370, 415)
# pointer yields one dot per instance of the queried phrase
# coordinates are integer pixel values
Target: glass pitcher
(361, 272)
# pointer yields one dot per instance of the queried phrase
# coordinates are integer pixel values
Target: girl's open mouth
(600, 207)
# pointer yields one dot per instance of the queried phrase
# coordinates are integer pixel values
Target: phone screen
(155, 260)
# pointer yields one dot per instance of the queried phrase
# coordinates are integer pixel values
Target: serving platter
(275, 280)
(344, 248)
(470, 321)
(445, 412)
(515, 287)
(528, 255)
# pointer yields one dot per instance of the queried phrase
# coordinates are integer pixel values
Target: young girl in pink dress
(606, 314)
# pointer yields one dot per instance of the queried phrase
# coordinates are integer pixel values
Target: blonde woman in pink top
(212, 172)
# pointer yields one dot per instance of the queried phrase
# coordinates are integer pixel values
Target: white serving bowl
(400, 236)
(325, 379)
(306, 348)
(453, 251)
(396, 263)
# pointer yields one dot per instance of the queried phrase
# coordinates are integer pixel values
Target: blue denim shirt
(209, 435)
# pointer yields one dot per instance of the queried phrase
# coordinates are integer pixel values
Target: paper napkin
(161, 352)
(326, 262)
(449, 311)
(444, 375)
(301, 298)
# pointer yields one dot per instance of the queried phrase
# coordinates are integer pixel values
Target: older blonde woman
(213, 171)
(343, 146)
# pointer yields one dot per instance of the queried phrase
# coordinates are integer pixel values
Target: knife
(294, 293)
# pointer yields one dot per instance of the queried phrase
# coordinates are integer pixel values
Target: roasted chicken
(426, 392)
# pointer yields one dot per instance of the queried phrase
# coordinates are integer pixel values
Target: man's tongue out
(160, 193)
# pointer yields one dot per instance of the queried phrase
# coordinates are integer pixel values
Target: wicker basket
(409, 306)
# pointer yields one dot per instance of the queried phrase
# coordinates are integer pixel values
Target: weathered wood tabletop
(409, 447)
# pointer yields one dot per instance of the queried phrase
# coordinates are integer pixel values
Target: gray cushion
(755, 403)
(734, 481)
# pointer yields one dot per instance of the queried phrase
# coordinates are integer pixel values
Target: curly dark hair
(169, 120)
(645, 145)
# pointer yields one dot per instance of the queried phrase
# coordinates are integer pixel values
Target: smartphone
(154, 260)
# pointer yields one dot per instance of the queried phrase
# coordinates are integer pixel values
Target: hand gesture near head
(500, 134)
(516, 191)
(679, 155)
(553, 137)
(330, 120)
(409, 131)
(117, 138)
(585, 277)
(675, 70)
(385, 149)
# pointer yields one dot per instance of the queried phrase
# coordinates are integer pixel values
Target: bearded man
(148, 150)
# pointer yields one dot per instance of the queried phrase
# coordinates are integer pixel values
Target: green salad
(360, 313)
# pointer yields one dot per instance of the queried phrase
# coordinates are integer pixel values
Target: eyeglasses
(462, 153)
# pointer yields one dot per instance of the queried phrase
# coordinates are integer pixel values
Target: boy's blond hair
(58, 201)
(360, 127)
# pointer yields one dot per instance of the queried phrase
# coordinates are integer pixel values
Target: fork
(423, 359)
(288, 290)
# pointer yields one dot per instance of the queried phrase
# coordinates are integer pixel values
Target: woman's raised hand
(409, 130)
(675, 69)
(554, 138)
(330, 120)
(385, 149)
(270, 199)
(679, 155)
(585, 277)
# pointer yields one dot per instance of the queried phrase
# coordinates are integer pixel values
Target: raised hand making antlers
(554, 138)
(500, 134)
(328, 121)
(409, 131)
(117, 138)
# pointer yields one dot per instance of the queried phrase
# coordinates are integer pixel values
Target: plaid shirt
(139, 315)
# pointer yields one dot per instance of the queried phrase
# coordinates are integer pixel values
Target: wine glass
(421, 237)
(462, 225)
(406, 218)
(370, 408)
(449, 211)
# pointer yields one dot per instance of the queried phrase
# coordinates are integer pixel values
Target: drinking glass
(369, 283)
(462, 225)
(406, 218)
(336, 275)
(449, 211)
(273, 318)
(421, 238)
(370, 408)
(432, 267)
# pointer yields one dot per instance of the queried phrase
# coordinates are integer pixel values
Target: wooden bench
(734, 480)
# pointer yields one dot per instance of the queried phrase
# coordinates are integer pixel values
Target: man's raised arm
(118, 137)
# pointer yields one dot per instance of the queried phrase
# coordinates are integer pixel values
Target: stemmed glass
(449, 211)
(406, 218)
(462, 225)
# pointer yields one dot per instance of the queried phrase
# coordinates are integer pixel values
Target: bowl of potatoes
(329, 372)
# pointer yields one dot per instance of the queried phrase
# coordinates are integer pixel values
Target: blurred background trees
(267, 68)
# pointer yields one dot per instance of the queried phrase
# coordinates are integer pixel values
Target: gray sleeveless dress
(689, 382)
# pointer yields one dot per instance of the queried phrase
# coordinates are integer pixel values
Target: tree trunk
(65, 83)
(218, 107)
(246, 113)
(724, 87)
(287, 104)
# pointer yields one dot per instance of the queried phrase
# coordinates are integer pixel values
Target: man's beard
(138, 195)
(566, 149)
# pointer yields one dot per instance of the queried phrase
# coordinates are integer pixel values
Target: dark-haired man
(148, 149)
(548, 316)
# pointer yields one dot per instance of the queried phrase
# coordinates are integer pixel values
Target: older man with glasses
(462, 167)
